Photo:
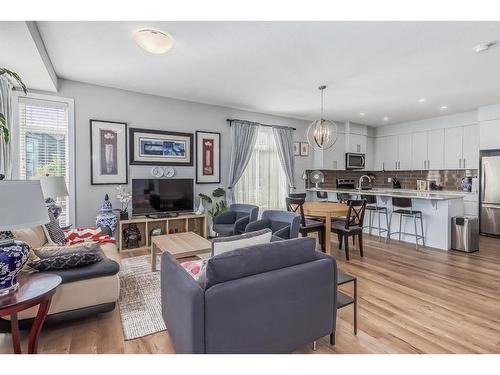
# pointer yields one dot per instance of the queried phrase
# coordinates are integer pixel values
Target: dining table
(326, 211)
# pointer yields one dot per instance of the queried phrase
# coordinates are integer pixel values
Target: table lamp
(53, 187)
(21, 206)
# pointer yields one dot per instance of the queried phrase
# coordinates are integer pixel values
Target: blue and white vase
(13, 256)
(106, 217)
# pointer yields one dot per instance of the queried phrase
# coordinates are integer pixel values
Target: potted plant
(4, 130)
(124, 197)
(216, 205)
(217, 202)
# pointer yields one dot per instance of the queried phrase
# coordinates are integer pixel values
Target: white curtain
(263, 182)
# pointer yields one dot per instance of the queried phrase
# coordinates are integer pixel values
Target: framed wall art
(296, 148)
(304, 149)
(207, 157)
(159, 147)
(108, 152)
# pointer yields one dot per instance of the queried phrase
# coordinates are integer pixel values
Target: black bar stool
(403, 207)
(373, 209)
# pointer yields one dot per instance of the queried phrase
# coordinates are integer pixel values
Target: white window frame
(15, 134)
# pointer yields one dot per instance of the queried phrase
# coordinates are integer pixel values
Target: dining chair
(351, 226)
(296, 205)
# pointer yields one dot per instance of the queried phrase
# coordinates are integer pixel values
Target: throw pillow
(224, 244)
(54, 233)
(198, 270)
(67, 261)
(52, 251)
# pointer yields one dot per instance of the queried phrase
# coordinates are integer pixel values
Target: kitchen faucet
(361, 181)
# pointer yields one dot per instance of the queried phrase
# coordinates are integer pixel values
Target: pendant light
(322, 134)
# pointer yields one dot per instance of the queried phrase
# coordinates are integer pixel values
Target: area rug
(139, 303)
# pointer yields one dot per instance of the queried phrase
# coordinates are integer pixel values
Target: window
(263, 182)
(43, 142)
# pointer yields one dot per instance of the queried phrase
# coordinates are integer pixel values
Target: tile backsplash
(448, 179)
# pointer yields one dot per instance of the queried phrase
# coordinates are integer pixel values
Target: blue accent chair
(283, 224)
(235, 220)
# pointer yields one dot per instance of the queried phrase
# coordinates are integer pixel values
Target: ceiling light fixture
(443, 108)
(422, 100)
(322, 134)
(484, 46)
(386, 118)
(362, 114)
(153, 41)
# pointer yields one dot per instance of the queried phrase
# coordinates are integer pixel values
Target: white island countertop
(401, 193)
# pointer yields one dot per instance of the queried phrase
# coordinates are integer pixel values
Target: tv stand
(162, 215)
(180, 223)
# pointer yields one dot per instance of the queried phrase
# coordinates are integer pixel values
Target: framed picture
(159, 147)
(304, 149)
(296, 148)
(108, 152)
(207, 157)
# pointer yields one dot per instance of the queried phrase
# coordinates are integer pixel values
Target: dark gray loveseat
(271, 298)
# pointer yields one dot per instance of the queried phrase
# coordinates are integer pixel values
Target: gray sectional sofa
(270, 298)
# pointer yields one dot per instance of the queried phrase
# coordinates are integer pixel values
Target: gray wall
(152, 112)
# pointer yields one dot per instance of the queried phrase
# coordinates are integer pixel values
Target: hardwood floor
(410, 301)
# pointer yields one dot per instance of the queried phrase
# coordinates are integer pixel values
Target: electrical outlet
(389, 179)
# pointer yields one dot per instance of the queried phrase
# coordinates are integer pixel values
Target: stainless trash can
(465, 233)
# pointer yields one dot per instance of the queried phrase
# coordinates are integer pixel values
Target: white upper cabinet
(419, 150)
(453, 140)
(370, 154)
(391, 153)
(356, 143)
(490, 134)
(378, 152)
(470, 147)
(332, 158)
(435, 149)
(404, 152)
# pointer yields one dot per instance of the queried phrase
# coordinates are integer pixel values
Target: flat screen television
(153, 196)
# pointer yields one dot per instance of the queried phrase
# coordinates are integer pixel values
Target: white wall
(152, 112)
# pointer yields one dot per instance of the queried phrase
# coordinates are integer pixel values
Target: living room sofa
(269, 298)
(84, 291)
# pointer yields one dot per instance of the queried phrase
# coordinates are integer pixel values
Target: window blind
(43, 142)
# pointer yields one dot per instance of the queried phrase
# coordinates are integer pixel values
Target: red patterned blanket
(79, 235)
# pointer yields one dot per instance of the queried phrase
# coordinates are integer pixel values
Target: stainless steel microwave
(354, 161)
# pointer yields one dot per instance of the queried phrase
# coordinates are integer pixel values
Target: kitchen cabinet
(453, 140)
(391, 153)
(419, 150)
(490, 134)
(435, 149)
(356, 143)
(378, 152)
(470, 151)
(370, 154)
(332, 158)
(404, 152)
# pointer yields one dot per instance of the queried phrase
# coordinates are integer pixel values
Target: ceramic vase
(106, 216)
(13, 256)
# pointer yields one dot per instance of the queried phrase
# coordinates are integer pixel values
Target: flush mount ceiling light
(362, 114)
(153, 41)
(322, 134)
(386, 118)
(422, 100)
(484, 46)
(443, 107)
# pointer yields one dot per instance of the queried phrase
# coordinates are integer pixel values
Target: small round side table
(34, 289)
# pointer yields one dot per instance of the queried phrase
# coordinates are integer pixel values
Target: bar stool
(373, 209)
(404, 208)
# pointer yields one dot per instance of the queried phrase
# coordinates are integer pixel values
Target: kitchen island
(438, 207)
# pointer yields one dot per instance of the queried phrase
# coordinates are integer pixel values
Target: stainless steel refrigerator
(489, 204)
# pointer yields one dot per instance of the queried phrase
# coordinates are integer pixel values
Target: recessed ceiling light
(362, 114)
(386, 118)
(153, 41)
(422, 100)
(443, 107)
(484, 46)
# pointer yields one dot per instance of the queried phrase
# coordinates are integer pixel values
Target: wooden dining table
(327, 211)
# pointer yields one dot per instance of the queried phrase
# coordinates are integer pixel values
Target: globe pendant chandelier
(322, 134)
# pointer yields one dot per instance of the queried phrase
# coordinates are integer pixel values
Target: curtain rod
(229, 120)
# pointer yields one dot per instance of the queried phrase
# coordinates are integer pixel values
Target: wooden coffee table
(179, 245)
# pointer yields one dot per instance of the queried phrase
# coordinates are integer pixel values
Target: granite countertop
(401, 193)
